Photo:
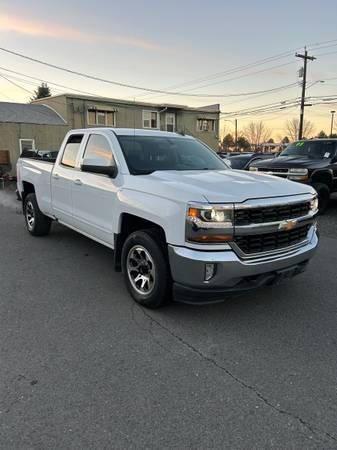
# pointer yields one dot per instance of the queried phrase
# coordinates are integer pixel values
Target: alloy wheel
(141, 270)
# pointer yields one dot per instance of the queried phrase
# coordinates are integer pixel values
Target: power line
(233, 70)
(243, 76)
(257, 96)
(24, 81)
(17, 85)
(202, 95)
(327, 53)
(47, 81)
(103, 80)
(283, 102)
(238, 77)
(321, 43)
(250, 65)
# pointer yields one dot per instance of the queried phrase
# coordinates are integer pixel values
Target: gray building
(28, 126)
(81, 111)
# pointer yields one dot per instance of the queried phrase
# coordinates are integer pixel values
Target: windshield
(239, 162)
(311, 149)
(146, 154)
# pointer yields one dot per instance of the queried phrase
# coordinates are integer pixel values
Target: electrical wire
(202, 95)
(15, 84)
(103, 80)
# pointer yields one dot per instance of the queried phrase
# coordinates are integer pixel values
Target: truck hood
(225, 186)
(289, 162)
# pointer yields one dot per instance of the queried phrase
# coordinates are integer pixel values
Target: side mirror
(94, 166)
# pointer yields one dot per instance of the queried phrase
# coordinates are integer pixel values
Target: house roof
(29, 113)
(209, 108)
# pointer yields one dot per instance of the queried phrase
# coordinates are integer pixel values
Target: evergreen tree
(42, 91)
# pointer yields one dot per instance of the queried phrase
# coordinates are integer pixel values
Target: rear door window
(98, 150)
(71, 150)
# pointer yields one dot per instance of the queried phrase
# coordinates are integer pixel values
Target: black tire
(36, 222)
(323, 193)
(151, 263)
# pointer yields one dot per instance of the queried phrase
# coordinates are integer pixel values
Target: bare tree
(256, 133)
(292, 127)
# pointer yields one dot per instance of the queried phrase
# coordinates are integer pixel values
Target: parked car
(224, 158)
(178, 219)
(312, 162)
(243, 161)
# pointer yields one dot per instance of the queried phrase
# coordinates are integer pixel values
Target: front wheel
(36, 222)
(145, 269)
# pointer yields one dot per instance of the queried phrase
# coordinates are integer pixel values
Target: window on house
(101, 117)
(206, 125)
(151, 119)
(170, 122)
(71, 150)
(27, 145)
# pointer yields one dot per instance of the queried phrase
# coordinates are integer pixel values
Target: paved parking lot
(82, 366)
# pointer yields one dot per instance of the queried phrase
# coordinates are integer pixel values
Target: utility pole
(332, 120)
(305, 57)
(236, 135)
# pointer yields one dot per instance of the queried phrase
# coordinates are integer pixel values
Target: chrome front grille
(272, 226)
(248, 216)
(268, 242)
(276, 172)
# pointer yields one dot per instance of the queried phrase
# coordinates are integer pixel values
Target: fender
(322, 176)
(166, 213)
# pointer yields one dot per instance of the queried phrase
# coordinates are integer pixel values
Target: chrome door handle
(78, 181)
(56, 176)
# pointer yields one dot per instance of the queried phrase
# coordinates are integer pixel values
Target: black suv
(312, 162)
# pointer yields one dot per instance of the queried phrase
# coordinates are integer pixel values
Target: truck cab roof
(131, 132)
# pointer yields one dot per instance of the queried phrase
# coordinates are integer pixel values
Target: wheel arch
(28, 188)
(129, 223)
(322, 176)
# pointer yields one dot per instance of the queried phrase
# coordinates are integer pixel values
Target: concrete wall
(47, 137)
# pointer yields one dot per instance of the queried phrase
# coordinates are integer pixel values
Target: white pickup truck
(179, 220)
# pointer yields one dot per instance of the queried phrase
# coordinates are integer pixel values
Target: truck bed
(38, 173)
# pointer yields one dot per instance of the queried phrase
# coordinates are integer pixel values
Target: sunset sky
(170, 45)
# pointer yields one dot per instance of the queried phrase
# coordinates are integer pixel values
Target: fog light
(209, 271)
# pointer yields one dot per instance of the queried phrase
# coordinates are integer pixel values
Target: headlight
(314, 205)
(298, 174)
(209, 223)
(253, 169)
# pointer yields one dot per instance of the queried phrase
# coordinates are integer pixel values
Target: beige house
(42, 124)
(27, 126)
(81, 111)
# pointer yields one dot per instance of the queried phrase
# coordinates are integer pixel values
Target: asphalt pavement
(82, 366)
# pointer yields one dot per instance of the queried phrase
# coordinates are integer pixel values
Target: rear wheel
(145, 269)
(323, 193)
(36, 222)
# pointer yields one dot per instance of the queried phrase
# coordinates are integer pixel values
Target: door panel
(94, 195)
(62, 178)
(61, 184)
(93, 205)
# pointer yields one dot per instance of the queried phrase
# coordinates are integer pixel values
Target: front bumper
(232, 273)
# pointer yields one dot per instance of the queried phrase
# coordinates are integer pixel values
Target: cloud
(20, 25)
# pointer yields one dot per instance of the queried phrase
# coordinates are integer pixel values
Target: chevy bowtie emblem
(287, 225)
